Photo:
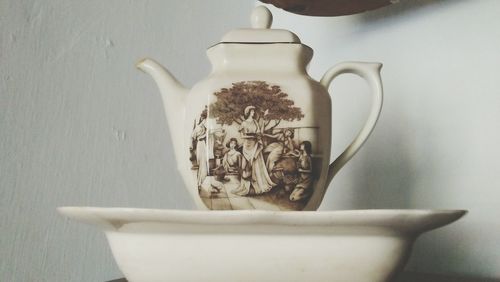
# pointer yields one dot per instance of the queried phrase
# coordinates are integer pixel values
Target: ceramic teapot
(256, 133)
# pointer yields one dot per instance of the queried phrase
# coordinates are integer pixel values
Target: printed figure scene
(246, 153)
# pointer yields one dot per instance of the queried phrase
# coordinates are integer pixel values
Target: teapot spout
(173, 95)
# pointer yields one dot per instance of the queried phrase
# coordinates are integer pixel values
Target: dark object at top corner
(328, 8)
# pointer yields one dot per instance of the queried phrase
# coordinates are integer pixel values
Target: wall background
(80, 126)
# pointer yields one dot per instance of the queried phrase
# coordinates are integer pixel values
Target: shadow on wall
(388, 171)
(429, 252)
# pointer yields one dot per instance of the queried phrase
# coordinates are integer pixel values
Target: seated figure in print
(232, 158)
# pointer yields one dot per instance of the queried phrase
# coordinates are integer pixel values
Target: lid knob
(261, 17)
(261, 31)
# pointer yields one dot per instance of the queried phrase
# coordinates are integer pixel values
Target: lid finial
(261, 17)
(261, 31)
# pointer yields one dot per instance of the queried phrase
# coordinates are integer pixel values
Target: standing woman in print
(253, 168)
(200, 135)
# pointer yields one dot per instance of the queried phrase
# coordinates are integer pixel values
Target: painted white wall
(437, 142)
(80, 126)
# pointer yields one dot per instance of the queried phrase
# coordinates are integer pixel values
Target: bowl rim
(398, 219)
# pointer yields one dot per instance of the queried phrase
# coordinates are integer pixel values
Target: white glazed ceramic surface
(174, 245)
(256, 131)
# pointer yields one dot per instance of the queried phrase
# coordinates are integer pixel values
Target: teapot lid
(260, 32)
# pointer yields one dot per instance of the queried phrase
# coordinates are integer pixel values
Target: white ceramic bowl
(179, 245)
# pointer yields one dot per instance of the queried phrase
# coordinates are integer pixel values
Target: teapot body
(257, 131)
(255, 134)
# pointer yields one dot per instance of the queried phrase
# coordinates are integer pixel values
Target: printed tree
(271, 104)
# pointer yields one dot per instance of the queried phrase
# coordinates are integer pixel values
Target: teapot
(256, 132)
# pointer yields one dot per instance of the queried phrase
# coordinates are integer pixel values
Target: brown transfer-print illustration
(243, 159)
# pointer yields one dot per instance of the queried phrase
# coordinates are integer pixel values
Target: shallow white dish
(180, 245)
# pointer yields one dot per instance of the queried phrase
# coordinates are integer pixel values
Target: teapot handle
(371, 73)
